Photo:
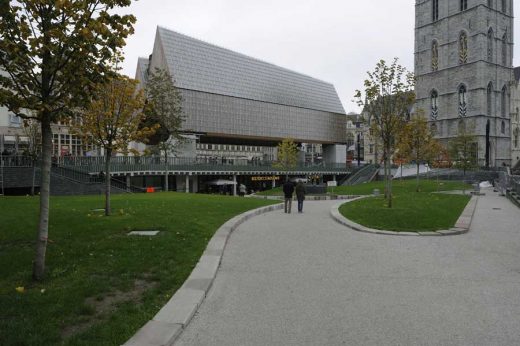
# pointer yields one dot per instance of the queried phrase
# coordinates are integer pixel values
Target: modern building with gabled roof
(231, 98)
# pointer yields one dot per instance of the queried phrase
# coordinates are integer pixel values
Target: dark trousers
(300, 205)
(288, 203)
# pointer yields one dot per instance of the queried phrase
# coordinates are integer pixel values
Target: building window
(503, 127)
(490, 98)
(433, 128)
(504, 50)
(350, 140)
(504, 102)
(14, 120)
(516, 135)
(435, 10)
(463, 5)
(490, 3)
(435, 56)
(504, 6)
(434, 97)
(463, 48)
(490, 45)
(517, 116)
(463, 105)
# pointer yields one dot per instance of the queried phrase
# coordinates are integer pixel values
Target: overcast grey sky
(333, 40)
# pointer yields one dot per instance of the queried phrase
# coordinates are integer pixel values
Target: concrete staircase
(364, 175)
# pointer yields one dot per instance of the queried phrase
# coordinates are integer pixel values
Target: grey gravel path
(303, 279)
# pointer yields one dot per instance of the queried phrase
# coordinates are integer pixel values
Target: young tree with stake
(113, 120)
(388, 96)
(54, 53)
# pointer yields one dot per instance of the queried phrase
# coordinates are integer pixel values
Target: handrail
(96, 164)
(155, 163)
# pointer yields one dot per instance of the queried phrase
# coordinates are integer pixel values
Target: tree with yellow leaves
(113, 120)
(287, 155)
(53, 53)
(417, 143)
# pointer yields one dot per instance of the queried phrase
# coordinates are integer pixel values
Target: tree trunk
(108, 156)
(43, 225)
(166, 187)
(389, 179)
(33, 177)
(417, 185)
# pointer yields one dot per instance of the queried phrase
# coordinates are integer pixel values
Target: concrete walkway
(303, 279)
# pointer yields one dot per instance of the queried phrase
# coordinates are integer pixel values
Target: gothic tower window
(463, 5)
(516, 136)
(435, 56)
(503, 127)
(435, 10)
(504, 102)
(504, 49)
(463, 48)
(434, 97)
(504, 6)
(490, 3)
(463, 105)
(489, 98)
(490, 39)
(433, 129)
(461, 126)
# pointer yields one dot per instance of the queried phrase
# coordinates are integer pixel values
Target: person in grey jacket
(300, 195)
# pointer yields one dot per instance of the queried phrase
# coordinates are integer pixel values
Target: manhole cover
(144, 232)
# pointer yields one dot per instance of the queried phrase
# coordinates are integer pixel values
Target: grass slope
(102, 285)
(411, 211)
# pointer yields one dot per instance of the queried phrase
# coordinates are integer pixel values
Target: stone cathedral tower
(463, 65)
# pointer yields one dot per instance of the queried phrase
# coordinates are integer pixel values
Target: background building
(241, 107)
(515, 119)
(463, 65)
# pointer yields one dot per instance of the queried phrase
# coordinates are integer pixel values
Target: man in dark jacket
(300, 195)
(288, 189)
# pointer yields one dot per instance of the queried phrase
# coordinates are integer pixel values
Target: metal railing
(16, 161)
(156, 163)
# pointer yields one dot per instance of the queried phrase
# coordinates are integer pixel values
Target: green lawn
(102, 285)
(412, 211)
(399, 186)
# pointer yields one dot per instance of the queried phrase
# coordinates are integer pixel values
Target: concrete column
(128, 181)
(187, 183)
(195, 183)
(234, 185)
(334, 177)
(273, 183)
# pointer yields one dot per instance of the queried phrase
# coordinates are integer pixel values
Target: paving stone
(407, 233)
(155, 333)
(181, 307)
(198, 284)
(206, 268)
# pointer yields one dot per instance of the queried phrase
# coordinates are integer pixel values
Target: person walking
(288, 189)
(300, 195)
(242, 190)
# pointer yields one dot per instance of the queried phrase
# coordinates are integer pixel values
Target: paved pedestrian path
(303, 279)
